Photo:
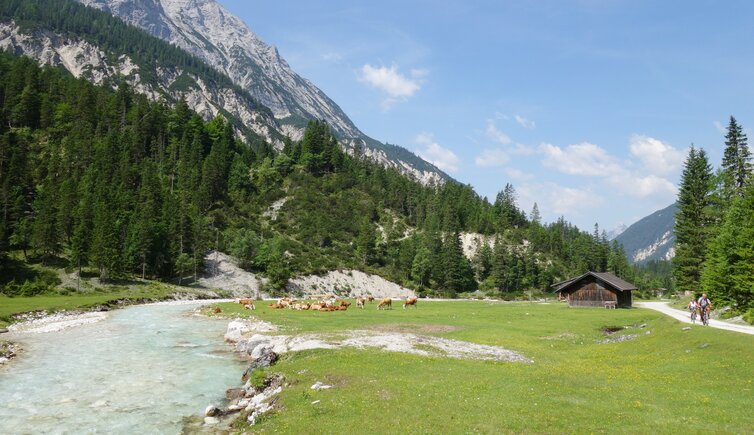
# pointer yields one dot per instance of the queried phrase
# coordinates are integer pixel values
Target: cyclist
(693, 306)
(704, 305)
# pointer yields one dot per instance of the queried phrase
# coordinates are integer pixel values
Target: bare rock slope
(223, 272)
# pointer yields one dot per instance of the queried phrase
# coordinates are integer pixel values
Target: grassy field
(666, 380)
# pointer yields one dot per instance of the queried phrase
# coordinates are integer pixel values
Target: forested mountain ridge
(207, 30)
(94, 44)
(113, 183)
(104, 50)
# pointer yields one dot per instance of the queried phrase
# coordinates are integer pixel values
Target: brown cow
(245, 301)
(410, 301)
(360, 302)
(218, 310)
(386, 302)
(276, 306)
(370, 298)
(345, 304)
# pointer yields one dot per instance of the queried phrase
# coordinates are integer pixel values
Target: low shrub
(749, 316)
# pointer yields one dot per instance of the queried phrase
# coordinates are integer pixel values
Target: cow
(345, 304)
(410, 301)
(360, 302)
(370, 298)
(250, 306)
(385, 303)
(276, 306)
(218, 310)
(245, 301)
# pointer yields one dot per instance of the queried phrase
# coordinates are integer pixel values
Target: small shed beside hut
(595, 289)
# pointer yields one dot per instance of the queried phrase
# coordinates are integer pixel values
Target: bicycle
(705, 317)
(693, 316)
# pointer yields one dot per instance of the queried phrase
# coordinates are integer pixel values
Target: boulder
(236, 330)
(235, 393)
(266, 358)
(320, 386)
(212, 411)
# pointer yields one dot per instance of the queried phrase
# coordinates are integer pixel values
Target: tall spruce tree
(692, 227)
(736, 167)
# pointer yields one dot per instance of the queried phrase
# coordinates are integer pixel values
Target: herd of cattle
(328, 304)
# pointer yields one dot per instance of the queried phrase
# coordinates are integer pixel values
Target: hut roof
(607, 277)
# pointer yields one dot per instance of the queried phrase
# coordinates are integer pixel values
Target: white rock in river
(211, 411)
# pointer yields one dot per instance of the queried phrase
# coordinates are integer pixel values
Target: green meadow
(666, 380)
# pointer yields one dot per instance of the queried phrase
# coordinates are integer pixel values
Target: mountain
(615, 232)
(207, 30)
(104, 50)
(193, 50)
(651, 238)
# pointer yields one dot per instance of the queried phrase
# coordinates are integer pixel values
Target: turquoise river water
(142, 370)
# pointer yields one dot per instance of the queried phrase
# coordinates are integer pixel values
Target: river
(142, 370)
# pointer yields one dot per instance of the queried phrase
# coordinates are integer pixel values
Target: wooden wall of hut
(591, 294)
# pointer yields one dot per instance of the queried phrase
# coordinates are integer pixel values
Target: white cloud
(657, 157)
(589, 160)
(525, 123)
(332, 56)
(496, 135)
(584, 159)
(517, 174)
(719, 126)
(523, 150)
(556, 200)
(644, 187)
(419, 73)
(395, 85)
(491, 158)
(443, 158)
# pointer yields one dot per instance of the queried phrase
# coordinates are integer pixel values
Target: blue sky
(587, 107)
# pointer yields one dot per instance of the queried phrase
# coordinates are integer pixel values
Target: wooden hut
(595, 289)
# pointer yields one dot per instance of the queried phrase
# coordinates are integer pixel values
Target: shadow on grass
(12, 269)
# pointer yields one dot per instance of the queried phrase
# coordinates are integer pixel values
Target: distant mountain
(207, 30)
(617, 231)
(651, 238)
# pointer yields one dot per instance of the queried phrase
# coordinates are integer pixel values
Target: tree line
(715, 224)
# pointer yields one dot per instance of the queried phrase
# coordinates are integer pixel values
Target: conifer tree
(692, 225)
(737, 166)
(366, 242)
(458, 275)
(535, 216)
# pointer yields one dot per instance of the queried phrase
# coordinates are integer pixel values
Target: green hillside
(119, 186)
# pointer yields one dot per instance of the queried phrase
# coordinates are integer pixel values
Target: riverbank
(144, 368)
(20, 309)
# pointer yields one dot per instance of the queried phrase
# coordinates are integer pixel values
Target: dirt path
(683, 316)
